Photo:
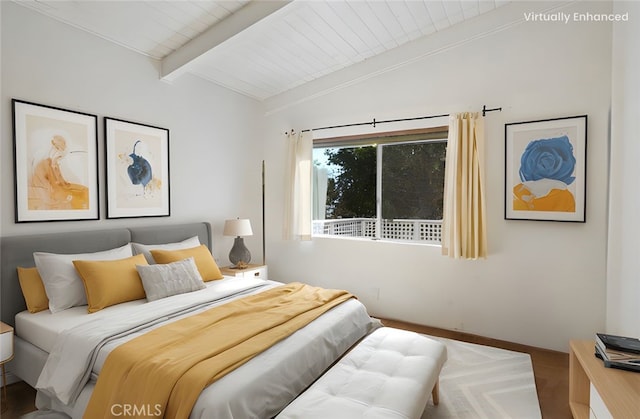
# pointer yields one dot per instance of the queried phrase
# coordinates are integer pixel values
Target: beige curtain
(464, 231)
(298, 198)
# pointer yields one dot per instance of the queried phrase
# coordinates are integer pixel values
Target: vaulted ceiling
(262, 48)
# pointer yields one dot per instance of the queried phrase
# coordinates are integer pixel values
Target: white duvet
(258, 389)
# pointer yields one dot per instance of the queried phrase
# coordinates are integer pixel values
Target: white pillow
(61, 280)
(164, 280)
(146, 249)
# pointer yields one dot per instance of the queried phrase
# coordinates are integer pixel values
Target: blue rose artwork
(547, 169)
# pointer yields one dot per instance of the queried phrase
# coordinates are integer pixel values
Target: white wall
(544, 282)
(215, 154)
(623, 280)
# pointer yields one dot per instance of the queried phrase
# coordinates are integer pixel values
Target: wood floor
(20, 400)
(550, 368)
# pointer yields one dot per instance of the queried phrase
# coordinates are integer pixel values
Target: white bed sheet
(42, 328)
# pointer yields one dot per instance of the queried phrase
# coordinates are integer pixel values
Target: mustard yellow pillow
(207, 266)
(110, 282)
(33, 289)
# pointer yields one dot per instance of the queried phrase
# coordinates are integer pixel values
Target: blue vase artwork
(139, 171)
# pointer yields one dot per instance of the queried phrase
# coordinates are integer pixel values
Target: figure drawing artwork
(55, 163)
(137, 169)
(545, 169)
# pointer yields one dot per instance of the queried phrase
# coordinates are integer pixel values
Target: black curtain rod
(374, 122)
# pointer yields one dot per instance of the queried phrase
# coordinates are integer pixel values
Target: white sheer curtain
(464, 233)
(320, 185)
(298, 200)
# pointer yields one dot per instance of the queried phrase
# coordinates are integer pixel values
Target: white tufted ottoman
(389, 374)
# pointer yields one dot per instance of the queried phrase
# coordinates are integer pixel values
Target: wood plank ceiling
(261, 48)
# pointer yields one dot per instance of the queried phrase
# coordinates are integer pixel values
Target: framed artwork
(55, 163)
(137, 168)
(546, 169)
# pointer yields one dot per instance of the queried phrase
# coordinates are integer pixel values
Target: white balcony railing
(423, 231)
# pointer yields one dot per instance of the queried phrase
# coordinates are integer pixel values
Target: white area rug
(482, 382)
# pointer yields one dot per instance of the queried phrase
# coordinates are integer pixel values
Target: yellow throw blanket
(162, 372)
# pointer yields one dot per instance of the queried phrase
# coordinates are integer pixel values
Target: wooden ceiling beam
(176, 63)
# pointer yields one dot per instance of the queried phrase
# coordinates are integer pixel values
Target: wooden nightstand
(6, 354)
(252, 271)
(617, 392)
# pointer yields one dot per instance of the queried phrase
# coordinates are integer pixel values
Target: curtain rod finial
(485, 110)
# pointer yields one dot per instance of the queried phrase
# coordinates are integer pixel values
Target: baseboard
(468, 337)
(11, 378)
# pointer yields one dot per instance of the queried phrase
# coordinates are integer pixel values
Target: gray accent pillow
(146, 249)
(165, 280)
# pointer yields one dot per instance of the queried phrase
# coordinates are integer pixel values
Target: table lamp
(239, 254)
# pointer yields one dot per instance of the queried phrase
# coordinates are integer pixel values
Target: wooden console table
(618, 389)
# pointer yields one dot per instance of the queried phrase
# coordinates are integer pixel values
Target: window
(388, 186)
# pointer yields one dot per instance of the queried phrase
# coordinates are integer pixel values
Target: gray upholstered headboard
(18, 251)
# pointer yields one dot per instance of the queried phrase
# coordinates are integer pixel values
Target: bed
(259, 388)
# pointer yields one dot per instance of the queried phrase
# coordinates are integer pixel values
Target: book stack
(618, 351)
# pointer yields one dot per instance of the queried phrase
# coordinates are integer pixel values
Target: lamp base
(239, 254)
(240, 265)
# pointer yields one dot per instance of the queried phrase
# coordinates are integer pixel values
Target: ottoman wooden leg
(435, 393)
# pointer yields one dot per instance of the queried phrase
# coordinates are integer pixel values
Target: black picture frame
(546, 169)
(55, 153)
(136, 169)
